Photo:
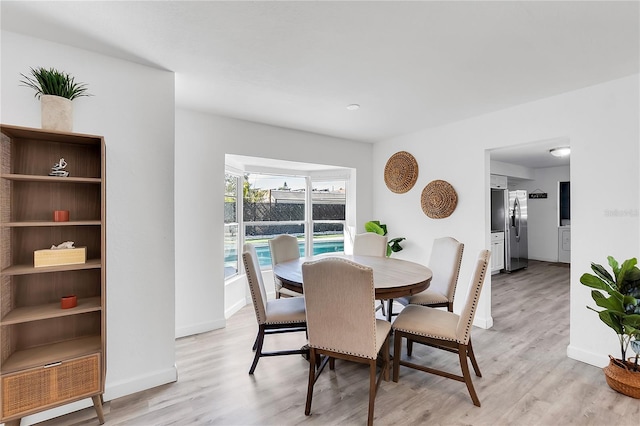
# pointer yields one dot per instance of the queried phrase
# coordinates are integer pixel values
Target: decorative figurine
(58, 169)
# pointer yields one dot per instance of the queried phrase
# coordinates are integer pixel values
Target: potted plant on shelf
(619, 295)
(55, 90)
(393, 245)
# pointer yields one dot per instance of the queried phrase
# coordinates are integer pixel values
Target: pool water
(264, 254)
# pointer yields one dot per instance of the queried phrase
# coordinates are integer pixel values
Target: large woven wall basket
(401, 172)
(439, 199)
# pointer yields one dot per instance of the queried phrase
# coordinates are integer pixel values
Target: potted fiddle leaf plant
(619, 296)
(56, 90)
(393, 245)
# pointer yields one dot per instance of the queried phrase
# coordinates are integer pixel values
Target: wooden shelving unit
(50, 356)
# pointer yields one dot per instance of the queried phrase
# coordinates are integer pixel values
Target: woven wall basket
(621, 378)
(439, 199)
(401, 172)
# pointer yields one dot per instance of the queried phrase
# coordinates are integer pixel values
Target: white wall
(133, 108)
(202, 140)
(602, 123)
(543, 213)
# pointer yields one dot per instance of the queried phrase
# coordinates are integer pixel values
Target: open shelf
(50, 310)
(55, 352)
(34, 223)
(30, 269)
(51, 179)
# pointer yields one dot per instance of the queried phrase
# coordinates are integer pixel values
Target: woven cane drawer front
(38, 388)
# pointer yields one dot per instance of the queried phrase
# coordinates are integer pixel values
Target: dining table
(392, 278)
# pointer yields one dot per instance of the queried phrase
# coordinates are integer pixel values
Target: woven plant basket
(621, 378)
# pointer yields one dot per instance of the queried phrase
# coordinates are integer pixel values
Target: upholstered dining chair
(283, 248)
(273, 316)
(443, 330)
(445, 261)
(371, 244)
(341, 321)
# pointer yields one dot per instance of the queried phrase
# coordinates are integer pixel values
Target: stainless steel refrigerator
(516, 240)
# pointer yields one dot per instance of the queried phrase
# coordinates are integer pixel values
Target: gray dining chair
(443, 330)
(339, 299)
(371, 244)
(283, 249)
(273, 316)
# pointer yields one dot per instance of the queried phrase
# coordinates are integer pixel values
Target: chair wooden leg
(258, 349)
(372, 390)
(450, 307)
(397, 345)
(255, 344)
(385, 359)
(389, 310)
(312, 379)
(332, 363)
(409, 347)
(476, 368)
(462, 354)
(384, 312)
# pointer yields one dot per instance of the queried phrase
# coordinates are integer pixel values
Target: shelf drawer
(45, 387)
(497, 237)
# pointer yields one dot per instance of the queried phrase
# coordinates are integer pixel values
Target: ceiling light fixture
(353, 107)
(561, 151)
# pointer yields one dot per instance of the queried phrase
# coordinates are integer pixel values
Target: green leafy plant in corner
(619, 295)
(393, 245)
(53, 82)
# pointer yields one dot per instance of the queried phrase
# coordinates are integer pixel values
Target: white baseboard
(235, 308)
(140, 383)
(112, 391)
(57, 412)
(595, 359)
(485, 322)
(202, 327)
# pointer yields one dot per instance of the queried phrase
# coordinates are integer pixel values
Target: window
(328, 199)
(231, 225)
(272, 205)
(312, 211)
(267, 197)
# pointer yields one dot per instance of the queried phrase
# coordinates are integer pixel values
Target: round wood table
(392, 278)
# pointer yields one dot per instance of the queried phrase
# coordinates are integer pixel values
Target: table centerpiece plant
(619, 296)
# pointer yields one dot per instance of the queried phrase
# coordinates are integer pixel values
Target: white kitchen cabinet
(498, 181)
(564, 244)
(497, 251)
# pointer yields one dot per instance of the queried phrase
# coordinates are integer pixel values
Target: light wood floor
(527, 377)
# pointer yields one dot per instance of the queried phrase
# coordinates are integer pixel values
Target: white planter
(57, 113)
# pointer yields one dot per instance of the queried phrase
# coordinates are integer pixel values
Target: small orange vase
(61, 215)
(67, 302)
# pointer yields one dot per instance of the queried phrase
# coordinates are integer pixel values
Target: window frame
(239, 234)
(343, 176)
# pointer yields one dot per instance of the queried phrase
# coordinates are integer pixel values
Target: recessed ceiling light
(353, 107)
(561, 151)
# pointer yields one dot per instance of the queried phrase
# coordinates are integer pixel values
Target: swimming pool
(264, 254)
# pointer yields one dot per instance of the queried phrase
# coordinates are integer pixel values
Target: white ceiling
(410, 65)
